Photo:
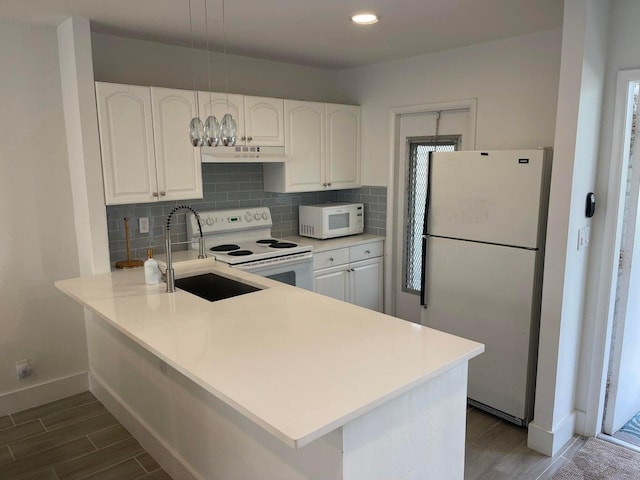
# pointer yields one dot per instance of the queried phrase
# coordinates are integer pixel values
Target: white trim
(45, 392)
(394, 125)
(170, 460)
(597, 370)
(551, 442)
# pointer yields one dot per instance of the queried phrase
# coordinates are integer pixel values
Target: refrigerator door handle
(425, 230)
(423, 273)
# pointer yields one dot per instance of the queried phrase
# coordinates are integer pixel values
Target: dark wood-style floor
(72, 438)
(77, 438)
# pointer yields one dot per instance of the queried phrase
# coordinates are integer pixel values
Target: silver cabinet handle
(331, 259)
(367, 252)
(243, 138)
(162, 194)
(155, 194)
(249, 138)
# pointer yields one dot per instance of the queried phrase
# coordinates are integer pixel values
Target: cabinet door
(343, 146)
(365, 284)
(215, 103)
(178, 166)
(264, 121)
(304, 140)
(331, 282)
(126, 143)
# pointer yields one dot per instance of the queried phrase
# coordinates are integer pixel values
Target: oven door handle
(276, 262)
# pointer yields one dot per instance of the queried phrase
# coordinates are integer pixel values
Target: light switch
(583, 237)
(143, 223)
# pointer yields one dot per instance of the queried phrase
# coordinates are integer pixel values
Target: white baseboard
(550, 442)
(170, 460)
(42, 393)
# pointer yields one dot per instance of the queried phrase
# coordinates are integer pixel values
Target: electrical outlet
(23, 369)
(143, 223)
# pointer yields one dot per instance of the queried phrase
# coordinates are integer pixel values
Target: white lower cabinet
(351, 274)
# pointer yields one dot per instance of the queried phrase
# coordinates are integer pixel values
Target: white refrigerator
(482, 260)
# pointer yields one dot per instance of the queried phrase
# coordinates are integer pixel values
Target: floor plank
(13, 434)
(52, 407)
(127, 470)
(109, 436)
(5, 422)
(72, 415)
(62, 435)
(98, 460)
(147, 462)
(34, 463)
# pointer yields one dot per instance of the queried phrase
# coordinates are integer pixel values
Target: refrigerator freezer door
(484, 292)
(490, 196)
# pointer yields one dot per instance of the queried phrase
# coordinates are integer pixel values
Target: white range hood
(243, 154)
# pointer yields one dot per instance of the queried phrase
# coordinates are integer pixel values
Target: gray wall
(232, 186)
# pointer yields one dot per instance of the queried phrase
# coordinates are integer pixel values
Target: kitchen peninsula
(280, 383)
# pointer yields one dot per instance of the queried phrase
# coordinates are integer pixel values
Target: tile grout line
(144, 469)
(43, 425)
(91, 441)
(11, 452)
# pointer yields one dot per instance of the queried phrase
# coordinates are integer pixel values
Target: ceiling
(316, 33)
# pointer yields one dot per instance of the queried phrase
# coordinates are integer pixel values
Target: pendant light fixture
(211, 125)
(228, 128)
(196, 128)
(212, 133)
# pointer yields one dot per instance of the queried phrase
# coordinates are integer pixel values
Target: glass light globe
(211, 131)
(196, 132)
(228, 130)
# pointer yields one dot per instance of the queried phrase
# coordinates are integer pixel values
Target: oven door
(297, 271)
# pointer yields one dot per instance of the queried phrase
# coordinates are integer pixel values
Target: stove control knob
(257, 216)
(248, 217)
(209, 221)
(265, 216)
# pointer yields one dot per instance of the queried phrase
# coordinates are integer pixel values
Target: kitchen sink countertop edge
(298, 364)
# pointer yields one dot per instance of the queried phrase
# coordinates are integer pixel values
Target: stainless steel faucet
(170, 275)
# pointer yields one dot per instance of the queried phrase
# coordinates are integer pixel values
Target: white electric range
(242, 239)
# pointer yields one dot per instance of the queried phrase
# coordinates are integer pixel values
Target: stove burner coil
(240, 253)
(267, 241)
(226, 247)
(283, 245)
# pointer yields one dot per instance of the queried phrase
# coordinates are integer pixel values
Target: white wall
(125, 60)
(515, 81)
(622, 53)
(37, 237)
(565, 274)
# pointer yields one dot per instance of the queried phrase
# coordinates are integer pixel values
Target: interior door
(485, 293)
(408, 228)
(623, 396)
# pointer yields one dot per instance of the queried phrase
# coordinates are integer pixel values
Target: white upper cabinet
(343, 146)
(264, 121)
(259, 120)
(144, 141)
(178, 166)
(323, 149)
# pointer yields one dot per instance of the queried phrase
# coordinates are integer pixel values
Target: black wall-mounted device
(590, 207)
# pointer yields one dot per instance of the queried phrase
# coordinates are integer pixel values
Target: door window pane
(416, 199)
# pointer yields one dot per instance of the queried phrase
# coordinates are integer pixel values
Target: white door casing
(457, 118)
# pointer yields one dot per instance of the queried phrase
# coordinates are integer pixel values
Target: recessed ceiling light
(365, 18)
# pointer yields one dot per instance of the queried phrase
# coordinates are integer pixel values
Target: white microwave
(330, 220)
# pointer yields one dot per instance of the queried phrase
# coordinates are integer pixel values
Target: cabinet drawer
(330, 258)
(364, 251)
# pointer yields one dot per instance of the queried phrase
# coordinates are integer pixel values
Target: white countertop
(332, 243)
(296, 363)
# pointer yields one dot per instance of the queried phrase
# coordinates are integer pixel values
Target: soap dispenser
(151, 271)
